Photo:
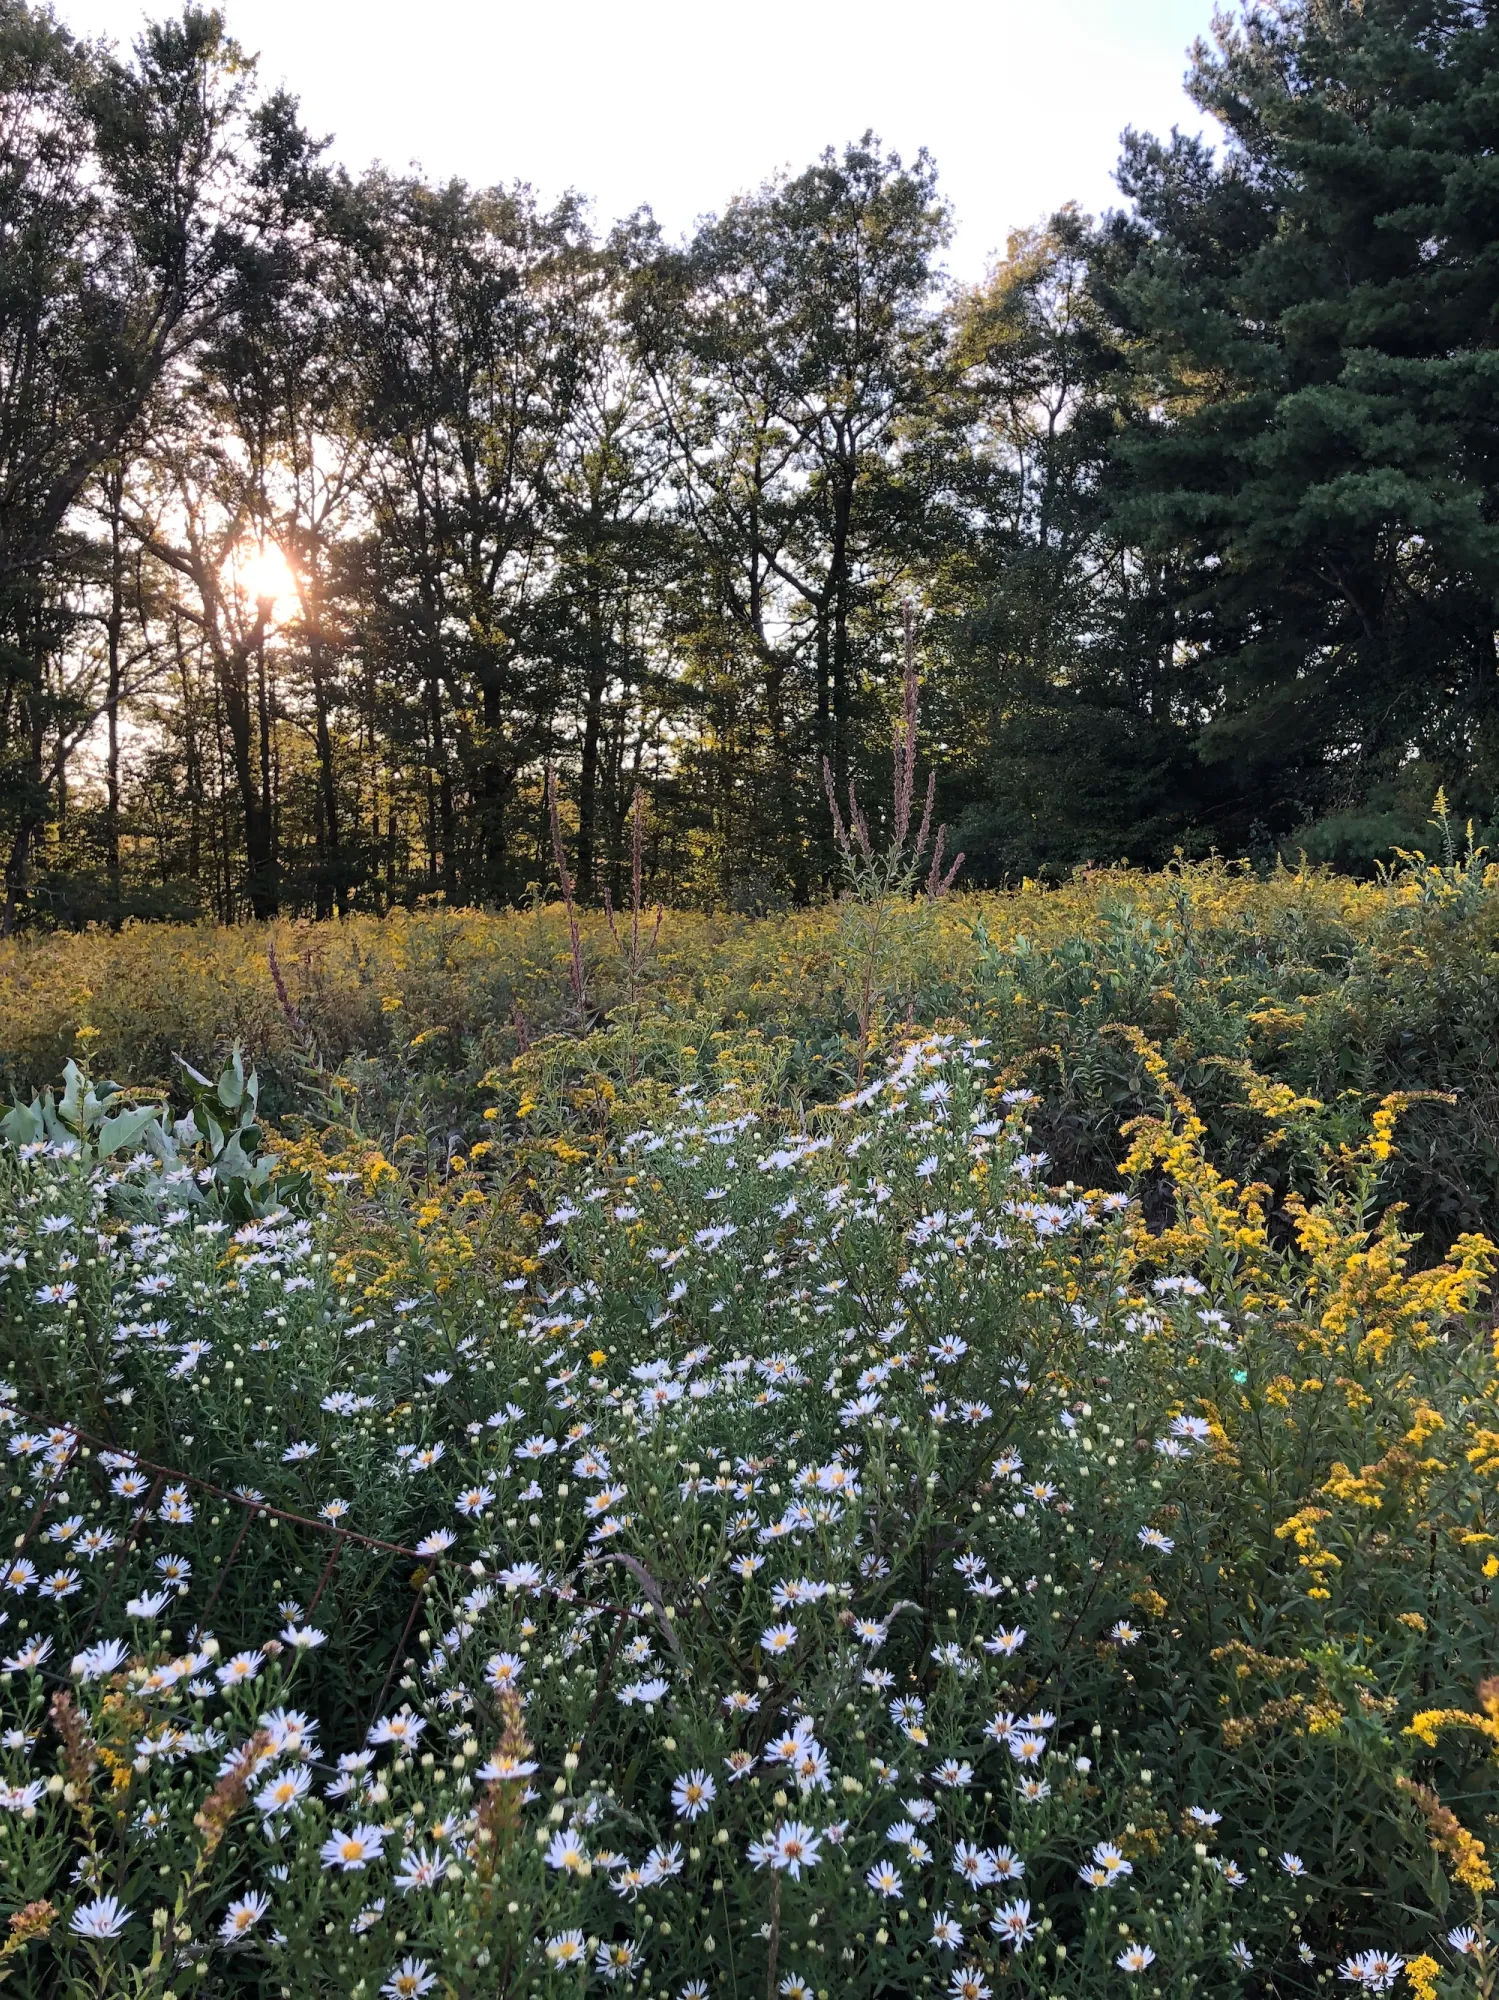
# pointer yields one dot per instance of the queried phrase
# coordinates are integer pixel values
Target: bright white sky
(681, 104)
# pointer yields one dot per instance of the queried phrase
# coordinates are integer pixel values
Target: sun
(259, 573)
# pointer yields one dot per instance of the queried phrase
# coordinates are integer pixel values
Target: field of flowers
(1341, 991)
(678, 1492)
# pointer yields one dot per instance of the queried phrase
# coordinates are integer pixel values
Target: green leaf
(125, 1129)
(71, 1108)
(22, 1124)
(233, 1163)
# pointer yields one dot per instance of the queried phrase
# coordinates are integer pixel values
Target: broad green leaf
(22, 1124)
(123, 1130)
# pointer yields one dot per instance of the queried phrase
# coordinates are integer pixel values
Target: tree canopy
(335, 511)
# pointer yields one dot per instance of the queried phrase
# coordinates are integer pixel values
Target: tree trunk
(443, 843)
(264, 899)
(192, 763)
(114, 632)
(233, 671)
(588, 776)
(838, 591)
(332, 889)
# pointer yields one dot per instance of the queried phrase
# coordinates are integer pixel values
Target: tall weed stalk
(885, 906)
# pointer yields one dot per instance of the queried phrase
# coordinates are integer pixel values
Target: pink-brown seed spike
(926, 818)
(840, 831)
(858, 824)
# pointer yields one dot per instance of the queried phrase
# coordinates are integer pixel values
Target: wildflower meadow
(749, 1491)
(623, 1375)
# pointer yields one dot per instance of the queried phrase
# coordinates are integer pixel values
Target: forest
(336, 512)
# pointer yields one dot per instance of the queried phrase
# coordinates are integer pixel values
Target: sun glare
(260, 574)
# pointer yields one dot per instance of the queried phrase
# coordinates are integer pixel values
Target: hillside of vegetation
(908, 1450)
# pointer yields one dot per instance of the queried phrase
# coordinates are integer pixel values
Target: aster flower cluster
(806, 1571)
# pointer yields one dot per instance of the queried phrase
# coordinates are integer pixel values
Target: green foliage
(1313, 476)
(1197, 499)
(618, 1518)
(210, 1159)
(1341, 990)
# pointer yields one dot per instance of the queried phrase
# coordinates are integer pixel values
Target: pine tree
(1315, 326)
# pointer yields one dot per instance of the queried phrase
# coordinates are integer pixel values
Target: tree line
(336, 511)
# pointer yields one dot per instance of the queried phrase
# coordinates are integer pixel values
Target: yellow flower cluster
(135, 996)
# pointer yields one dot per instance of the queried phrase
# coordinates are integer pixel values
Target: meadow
(925, 1446)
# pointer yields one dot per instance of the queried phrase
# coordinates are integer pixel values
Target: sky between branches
(681, 105)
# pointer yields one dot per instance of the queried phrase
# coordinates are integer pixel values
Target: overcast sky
(682, 105)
